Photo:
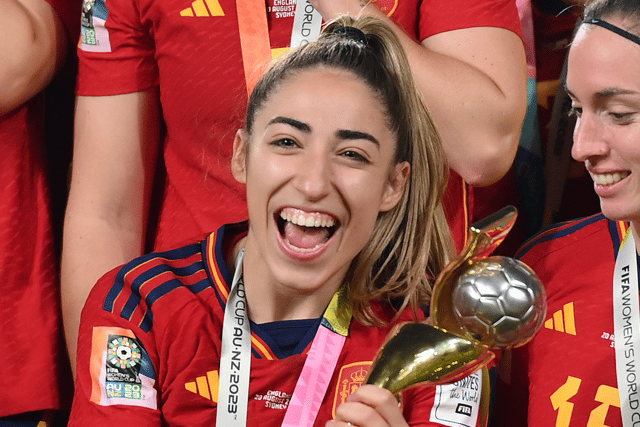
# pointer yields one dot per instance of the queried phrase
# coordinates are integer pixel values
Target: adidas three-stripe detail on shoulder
(143, 281)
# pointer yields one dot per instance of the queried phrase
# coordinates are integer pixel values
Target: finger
(382, 401)
(359, 414)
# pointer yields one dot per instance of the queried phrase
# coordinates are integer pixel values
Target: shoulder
(164, 281)
(573, 236)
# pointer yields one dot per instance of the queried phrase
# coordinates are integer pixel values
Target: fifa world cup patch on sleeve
(94, 36)
(458, 404)
(121, 371)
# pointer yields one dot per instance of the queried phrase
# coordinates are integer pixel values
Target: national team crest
(350, 379)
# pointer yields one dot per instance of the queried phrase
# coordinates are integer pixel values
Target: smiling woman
(605, 89)
(331, 160)
(573, 372)
(344, 175)
(314, 155)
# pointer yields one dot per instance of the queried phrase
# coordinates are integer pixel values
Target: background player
(577, 367)
(36, 40)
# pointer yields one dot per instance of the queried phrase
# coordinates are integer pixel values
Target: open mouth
(608, 178)
(305, 230)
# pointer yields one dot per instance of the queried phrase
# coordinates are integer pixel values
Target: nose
(589, 139)
(313, 177)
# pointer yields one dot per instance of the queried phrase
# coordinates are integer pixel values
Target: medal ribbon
(254, 39)
(254, 34)
(235, 360)
(626, 318)
(307, 22)
(316, 373)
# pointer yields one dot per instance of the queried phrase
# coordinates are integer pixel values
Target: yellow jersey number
(607, 396)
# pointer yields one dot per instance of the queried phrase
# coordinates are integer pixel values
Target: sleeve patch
(121, 371)
(458, 404)
(94, 36)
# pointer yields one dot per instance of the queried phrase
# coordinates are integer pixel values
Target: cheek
(625, 147)
(263, 169)
(366, 200)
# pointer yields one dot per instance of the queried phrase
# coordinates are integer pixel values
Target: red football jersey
(569, 366)
(149, 351)
(34, 356)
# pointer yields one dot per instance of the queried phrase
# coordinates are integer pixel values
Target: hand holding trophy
(479, 303)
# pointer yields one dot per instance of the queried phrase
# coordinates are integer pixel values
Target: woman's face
(319, 169)
(603, 81)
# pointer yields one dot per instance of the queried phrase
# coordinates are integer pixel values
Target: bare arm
(32, 47)
(474, 82)
(477, 81)
(115, 151)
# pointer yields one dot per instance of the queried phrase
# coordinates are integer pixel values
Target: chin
(619, 213)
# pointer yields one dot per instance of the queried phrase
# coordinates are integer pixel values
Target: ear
(395, 187)
(239, 159)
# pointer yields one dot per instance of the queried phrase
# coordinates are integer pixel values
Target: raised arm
(474, 82)
(32, 47)
(115, 152)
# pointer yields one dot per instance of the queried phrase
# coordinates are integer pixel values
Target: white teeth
(307, 219)
(608, 178)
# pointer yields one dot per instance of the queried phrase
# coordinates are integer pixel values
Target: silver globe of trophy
(479, 303)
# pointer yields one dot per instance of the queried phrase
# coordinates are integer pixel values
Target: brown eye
(355, 156)
(284, 143)
(622, 118)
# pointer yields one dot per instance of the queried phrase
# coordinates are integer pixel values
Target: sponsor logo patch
(121, 370)
(205, 385)
(203, 8)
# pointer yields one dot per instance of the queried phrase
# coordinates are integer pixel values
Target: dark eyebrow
(303, 127)
(354, 134)
(605, 93)
(608, 93)
(341, 134)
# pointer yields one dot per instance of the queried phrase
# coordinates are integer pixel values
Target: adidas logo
(563, 320)
(206, 386)
(203, 8)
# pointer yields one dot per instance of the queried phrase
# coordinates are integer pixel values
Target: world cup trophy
(479, 303)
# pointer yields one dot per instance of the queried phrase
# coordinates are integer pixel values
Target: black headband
(604, 24)
(351, 33)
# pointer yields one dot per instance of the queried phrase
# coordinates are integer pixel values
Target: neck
(269, 300)
(275, 306)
